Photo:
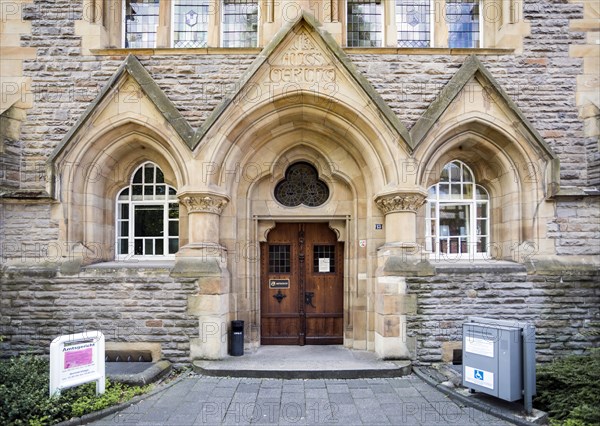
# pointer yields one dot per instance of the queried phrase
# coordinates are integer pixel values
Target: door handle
(308, 296)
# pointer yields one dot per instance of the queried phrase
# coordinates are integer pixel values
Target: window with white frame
(147, 216)
(364, 22)
(457, 215)
(141, 22)
(240, 23)
(462, 17)
(413, 23)
(190, 23)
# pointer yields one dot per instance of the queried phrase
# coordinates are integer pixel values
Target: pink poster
(78, 358)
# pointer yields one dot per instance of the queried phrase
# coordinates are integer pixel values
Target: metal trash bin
(237, 338)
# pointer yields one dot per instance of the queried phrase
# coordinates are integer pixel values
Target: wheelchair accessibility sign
(479, 377)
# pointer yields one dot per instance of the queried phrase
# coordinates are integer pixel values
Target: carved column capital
(406, 200)
(204, 202)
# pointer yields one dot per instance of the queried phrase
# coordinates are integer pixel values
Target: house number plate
(279, 283)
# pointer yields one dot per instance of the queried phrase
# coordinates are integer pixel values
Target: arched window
(147, 219)
(457, 216)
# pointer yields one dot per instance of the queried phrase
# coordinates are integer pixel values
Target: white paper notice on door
(324, 264)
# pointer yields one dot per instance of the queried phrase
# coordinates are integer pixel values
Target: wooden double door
(302, 281)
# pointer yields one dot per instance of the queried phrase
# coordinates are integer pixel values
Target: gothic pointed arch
(133, 71)
(88, 181)
(471, 70)
(301, 49)
(474, 121)
(303, 84)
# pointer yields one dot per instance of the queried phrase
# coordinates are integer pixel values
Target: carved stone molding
(264, 227)
(339, 227)
(401, 201)
(204, 202)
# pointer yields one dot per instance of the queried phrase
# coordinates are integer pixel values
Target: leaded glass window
(280, 258)
(240, 23)
(462, 17)
(141, 21)
(457, 215)
(301, 186)
(364, 23)
(323, 258)
(190, 23)
(413, 23)
(147, 216)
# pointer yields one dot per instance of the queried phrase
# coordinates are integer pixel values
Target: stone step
(304, 362)
(137, 373)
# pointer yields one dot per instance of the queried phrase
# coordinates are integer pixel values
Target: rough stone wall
(64, 82)
(126, 305)
(149, 306)
(10, 148)
(197, 84)
(576, 228)
(542, 80)
(565, 308)
(27, 232)
(553, 107)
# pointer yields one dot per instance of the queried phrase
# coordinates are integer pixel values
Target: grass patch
(569, 390)
(25, 400)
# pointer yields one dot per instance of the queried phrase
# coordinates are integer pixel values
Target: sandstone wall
(27, 231)
(148, 306)
(128, 305)
(564, 307)
(38, 305)
(576, 229)
(542, 80)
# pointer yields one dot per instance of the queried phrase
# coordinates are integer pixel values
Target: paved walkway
(202, 400)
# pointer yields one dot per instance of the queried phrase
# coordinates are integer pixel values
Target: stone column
(204, 211)
(398, 258)
(400, 209)
(205, 259)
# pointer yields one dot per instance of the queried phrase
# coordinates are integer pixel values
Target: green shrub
(569, 390)
(25, 400)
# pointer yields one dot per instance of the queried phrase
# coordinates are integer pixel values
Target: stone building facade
(323, 182)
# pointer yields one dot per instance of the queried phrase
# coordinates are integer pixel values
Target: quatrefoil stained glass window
(301, 186)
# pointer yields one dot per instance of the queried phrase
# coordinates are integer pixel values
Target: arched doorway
(302, 286)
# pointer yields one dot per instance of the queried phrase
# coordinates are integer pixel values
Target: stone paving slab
(202, 400)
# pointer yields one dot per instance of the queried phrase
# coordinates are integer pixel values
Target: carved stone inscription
(303, 62)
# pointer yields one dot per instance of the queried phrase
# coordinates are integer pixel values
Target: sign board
(378, 226)
(479, 346)
(279, 283)
(76, 359)
(479, 377)
(324, 264)
(362, 243)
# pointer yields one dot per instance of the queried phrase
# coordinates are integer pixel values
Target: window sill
(476, 266)
(137, 264)
(427, 51)
(178, 51)
(255, 51)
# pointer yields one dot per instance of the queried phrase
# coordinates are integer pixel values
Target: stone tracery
(301, 186)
